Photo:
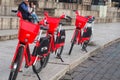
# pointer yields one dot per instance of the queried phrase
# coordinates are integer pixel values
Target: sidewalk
(103, 35)
(8, 34)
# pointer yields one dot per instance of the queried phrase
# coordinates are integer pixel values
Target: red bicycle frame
(53, 24)
(77, 37)
(80, 26)
(26, 36)
(54, 46)
(29, 60)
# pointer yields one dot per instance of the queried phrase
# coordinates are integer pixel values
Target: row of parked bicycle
(53, 41)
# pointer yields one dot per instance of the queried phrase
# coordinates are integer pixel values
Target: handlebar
(44, 27)
(63, 16)
(52, 22)
(48, 19)
(90, 18)
(14, 11)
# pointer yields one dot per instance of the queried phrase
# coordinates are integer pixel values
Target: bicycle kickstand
(59, 57)
(84, 48)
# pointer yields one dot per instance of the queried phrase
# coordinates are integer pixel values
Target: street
(105, 65)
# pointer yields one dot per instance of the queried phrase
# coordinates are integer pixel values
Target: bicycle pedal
(84, 50)
(61, 60)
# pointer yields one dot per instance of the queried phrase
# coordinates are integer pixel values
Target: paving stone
(105, 79)
(67, 77)
(75, 74)
(105, 67)
(89, 76)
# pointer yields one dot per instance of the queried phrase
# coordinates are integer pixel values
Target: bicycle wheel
(45, 60)
(73, 42)
(40, 64)
(16, 64)
(58, 52)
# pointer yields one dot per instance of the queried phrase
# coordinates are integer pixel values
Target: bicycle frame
(40, 54)
(79, 38)
(54, 46)
(29, 58)
(24, 41)
(56, 42)
(80, 26)
(80, 29)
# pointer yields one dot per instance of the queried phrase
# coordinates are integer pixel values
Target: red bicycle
(40, 55)
(82, 33)
(56, 34)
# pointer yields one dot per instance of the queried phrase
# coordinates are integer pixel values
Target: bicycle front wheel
(16, 64)
(73, 42)
(45, 60)
(40, 64)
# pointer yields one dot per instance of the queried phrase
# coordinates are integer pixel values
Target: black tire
(73, 42)
(58, 52)
(45, 60)
(16, 64)
(40, 64)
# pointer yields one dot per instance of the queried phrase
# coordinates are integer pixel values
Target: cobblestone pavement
(105, 65)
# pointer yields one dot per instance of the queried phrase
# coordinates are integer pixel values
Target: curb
(8, 37)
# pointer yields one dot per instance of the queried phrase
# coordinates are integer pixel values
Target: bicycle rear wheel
(16, 64)
(73, 42)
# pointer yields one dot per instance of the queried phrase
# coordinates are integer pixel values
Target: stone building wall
(55, 9)
(7, 2)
